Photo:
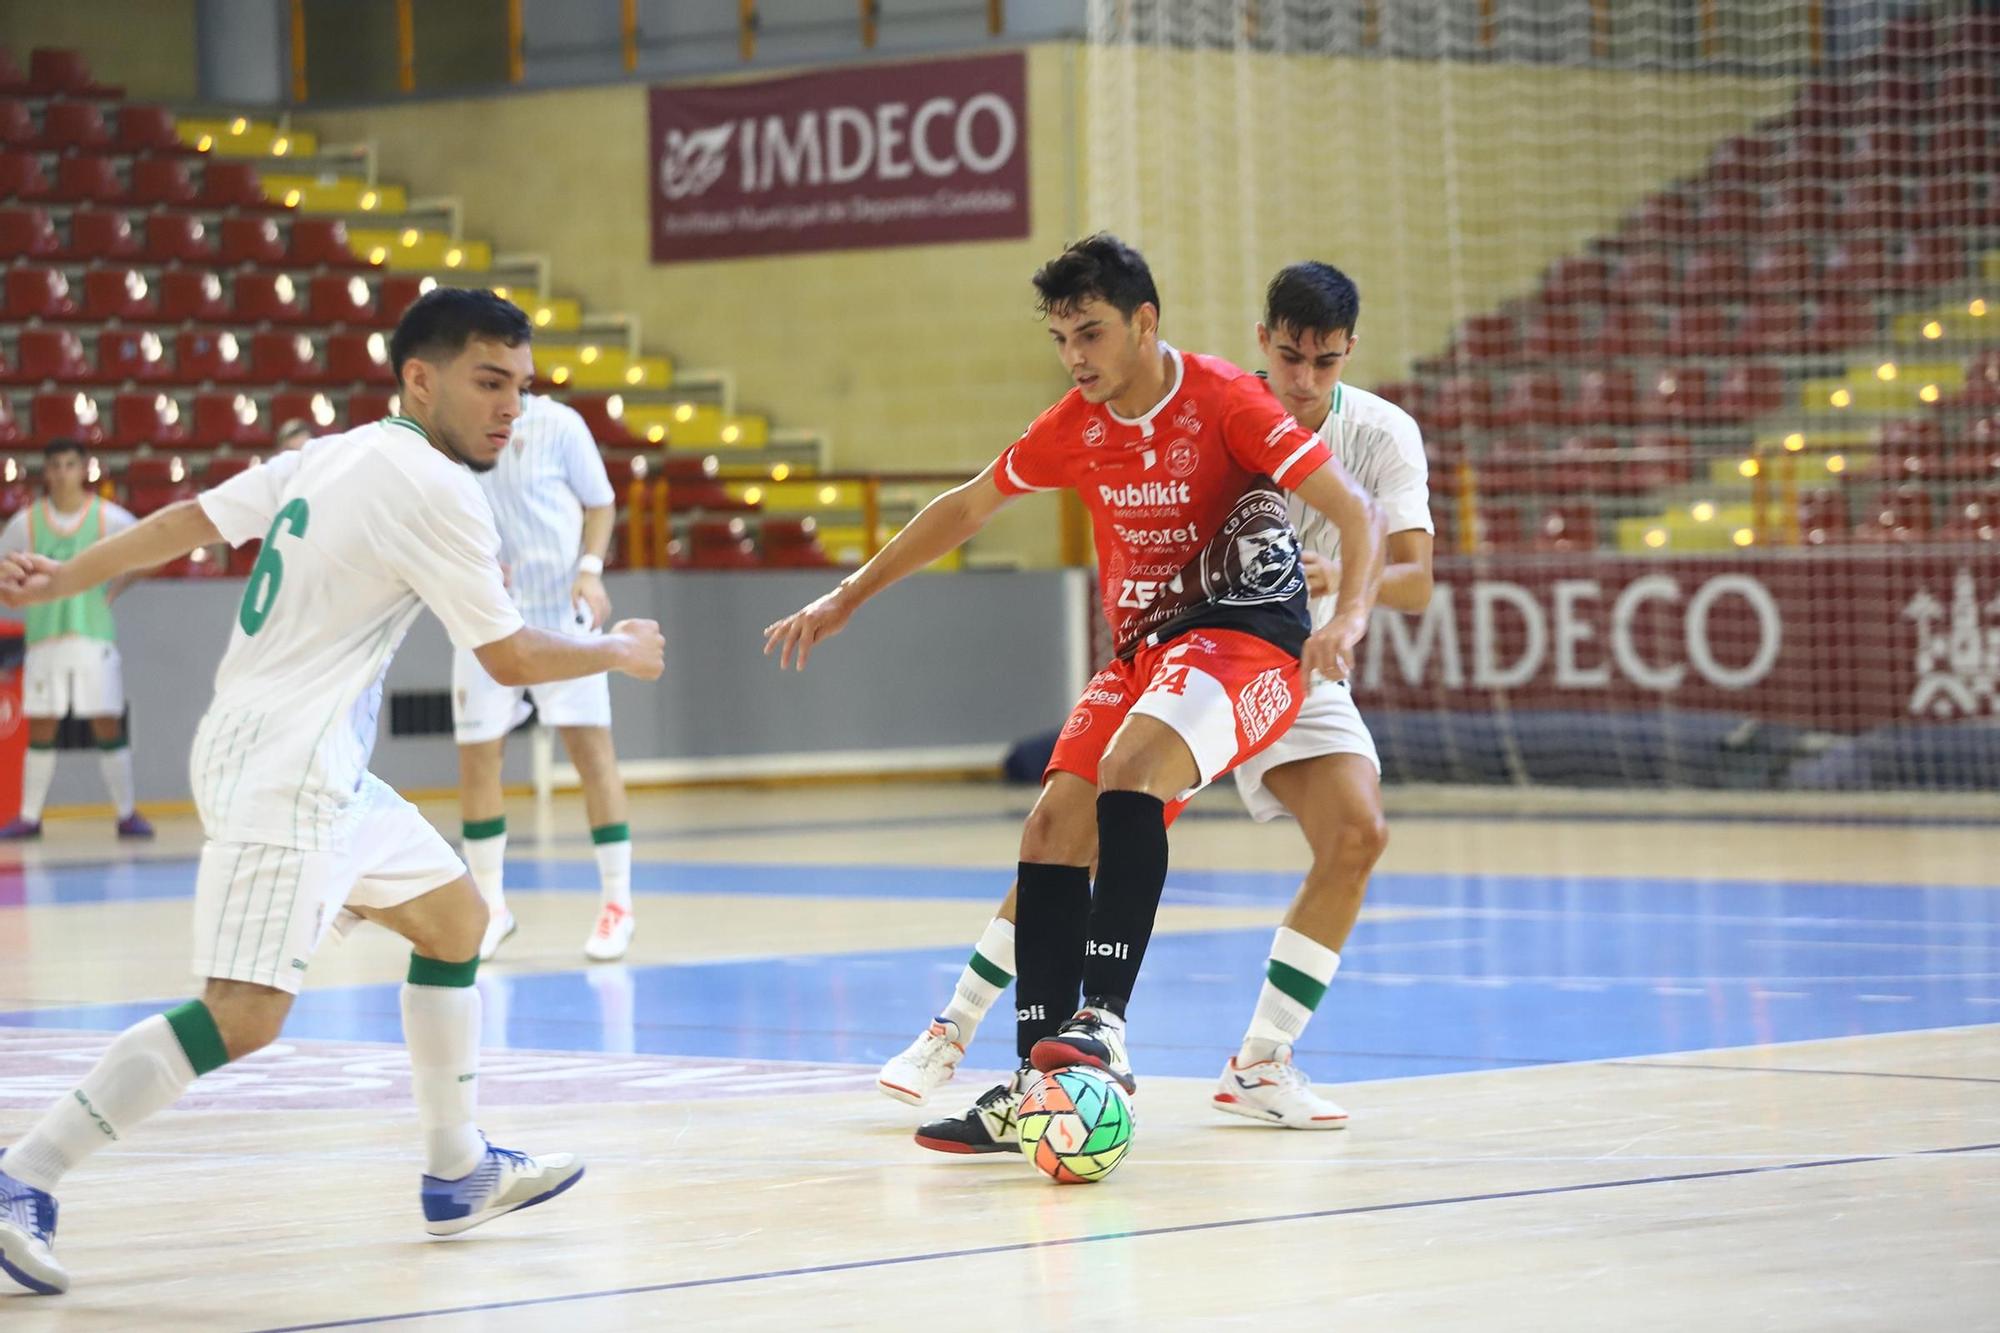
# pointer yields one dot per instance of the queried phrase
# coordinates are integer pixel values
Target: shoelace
(607, 921)
(520, 1160)
(34, 1211)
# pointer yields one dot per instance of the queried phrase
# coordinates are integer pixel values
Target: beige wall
(1443, 188)
(146, 45)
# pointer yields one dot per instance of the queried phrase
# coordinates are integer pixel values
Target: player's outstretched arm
(1334, 492)
(944, 525)
(154, 540)
(530, 656)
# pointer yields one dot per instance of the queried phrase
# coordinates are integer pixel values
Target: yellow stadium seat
(243, 137)
(414, 249)
(333, 194)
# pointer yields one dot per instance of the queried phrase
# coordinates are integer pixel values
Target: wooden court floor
(1604, 1072)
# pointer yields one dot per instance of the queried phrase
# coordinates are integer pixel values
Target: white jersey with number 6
(360, 532)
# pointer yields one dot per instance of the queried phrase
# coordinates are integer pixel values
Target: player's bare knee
(248, 1018)
(1355, 844)
(1062, 828)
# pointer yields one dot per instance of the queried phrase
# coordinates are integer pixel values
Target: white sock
(441, 1028)
(486, 858)
(144, 1071)
(36, 774)
(985, 976)
(117, 768)
(1294, 982)
(614, 864)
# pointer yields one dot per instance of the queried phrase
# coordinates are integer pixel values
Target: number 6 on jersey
(269, 572)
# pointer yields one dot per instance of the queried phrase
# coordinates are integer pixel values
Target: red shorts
(1226, 693)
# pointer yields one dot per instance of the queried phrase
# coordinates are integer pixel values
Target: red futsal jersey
(1185, 501)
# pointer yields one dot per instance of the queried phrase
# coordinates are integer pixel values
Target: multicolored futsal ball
(1075, 1125)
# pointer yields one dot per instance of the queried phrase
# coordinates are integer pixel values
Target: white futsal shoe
(499, 928)
(504, 1182)
(925, 1065)
(611, 936)
(1275, 1092)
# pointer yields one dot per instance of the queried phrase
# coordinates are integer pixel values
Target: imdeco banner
(884, 155)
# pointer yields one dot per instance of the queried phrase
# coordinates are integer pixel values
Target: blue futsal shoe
(28, 1236)
(503, 1182)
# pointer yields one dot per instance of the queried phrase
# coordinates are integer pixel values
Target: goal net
(1698, 306)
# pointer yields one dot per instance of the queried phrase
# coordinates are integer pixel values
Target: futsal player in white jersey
(1324, 771)
(553, 503)
(360, 533)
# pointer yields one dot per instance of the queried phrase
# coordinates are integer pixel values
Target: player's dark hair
(439, 324)
(1096, 268)
(1311, 298)
(55, 449)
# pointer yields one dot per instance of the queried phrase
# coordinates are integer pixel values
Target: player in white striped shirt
(360, 533)
(553, 504)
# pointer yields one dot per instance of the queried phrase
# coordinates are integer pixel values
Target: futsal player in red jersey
(1182, 461)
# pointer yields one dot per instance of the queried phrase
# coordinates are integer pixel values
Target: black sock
(1052, 907)
(1131, 872)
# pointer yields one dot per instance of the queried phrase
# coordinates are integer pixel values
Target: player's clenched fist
(819, 620)
(645, 648)
(1330, 649)
(24, 578)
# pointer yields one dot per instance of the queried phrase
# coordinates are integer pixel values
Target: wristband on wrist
(590, 564)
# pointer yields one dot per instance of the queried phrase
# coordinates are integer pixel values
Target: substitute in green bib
(72, 665)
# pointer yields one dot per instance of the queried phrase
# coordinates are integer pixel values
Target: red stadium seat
(88, 180)
(1488, 338)
(39, 293)
(269, 298)
(720, 543)
(28, 233)
(395, 293)
(156, 481)
(341, 298)
(285, 358)
(1974, 516)
(1667, 218)
(98, 234)
(1871, 205)
(318, 410)
(1629, 330)
(1859, 264)
(54, 72)
(1575, 280)
(147, 129)
(1747, 159)
(1464, 402)
(1532, 399)
(1770, 326)
(203, 354)
(162, 181)
(1909, 42)
(67, 414)
(1677, 393)
(1605, 397)
(73, 127)
(118, 293)
(253, 240)
(188, 296)
(1731, 211)
(793, 543)
(1715, 273)
(1825, 104)
(1810, 154)
(1882, 152)
(1891, 99)
(22, 177)
(1552, 335)
(1823, 516)
(322, 243)
(1838, 322)
(132, 354)
(12, 81)
(17, 123)
(1912, 450)
(1968, 93)
(179, 238)
(1946, 203)
(1800, 208)
(1661, 458)
(225, 418)
(147, 418)
(1899, 514)
(1982, 382)
(1784, 269)
(1749, 389)
(231, 185)
(224, 466)
(364, 407)
(358, 358)
(1964, 148)
(1643, 276)
(50, 354)
(1931, 261)
(606, 427)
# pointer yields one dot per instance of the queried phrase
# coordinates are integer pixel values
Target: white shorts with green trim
(72, 675)
(261, 912)
(482, 709)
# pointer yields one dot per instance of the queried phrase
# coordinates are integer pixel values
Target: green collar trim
(408, 424)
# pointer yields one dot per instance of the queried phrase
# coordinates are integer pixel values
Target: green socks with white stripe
(143, 1072)
(1295, 980)
(986, 975)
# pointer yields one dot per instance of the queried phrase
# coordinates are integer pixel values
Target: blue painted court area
(1453, 973)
